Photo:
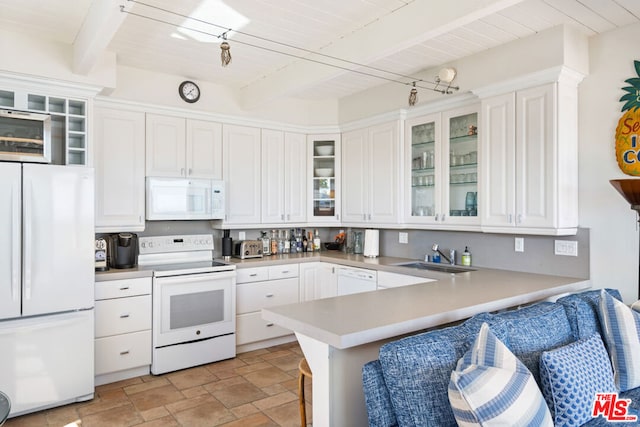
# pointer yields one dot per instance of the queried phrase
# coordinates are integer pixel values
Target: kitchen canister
(371, 243)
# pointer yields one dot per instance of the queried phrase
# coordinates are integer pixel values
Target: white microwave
(25, 136)
(184, 199)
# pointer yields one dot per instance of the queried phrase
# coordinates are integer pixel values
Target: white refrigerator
(46, 285)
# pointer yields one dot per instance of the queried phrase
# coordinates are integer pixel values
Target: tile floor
(258, 388)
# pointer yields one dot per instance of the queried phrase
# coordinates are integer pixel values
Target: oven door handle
(198, 277)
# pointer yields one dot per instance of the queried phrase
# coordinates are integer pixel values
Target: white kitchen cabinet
(242, 174)
(394, 280)
(257, 288)
(324, 170)
(178, 147)
(442, 170)
(318, 280)
(284, 173)
(69, 120)
(527, 187)
(370, 175)
(122, 329)
(118, 143)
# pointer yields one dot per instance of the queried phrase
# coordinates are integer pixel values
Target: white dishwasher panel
(355, 280)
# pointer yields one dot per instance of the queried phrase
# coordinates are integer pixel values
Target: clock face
(189, 91)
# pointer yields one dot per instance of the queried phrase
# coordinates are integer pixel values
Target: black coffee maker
(123, 250)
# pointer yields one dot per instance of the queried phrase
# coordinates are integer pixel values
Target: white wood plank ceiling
(371, 32)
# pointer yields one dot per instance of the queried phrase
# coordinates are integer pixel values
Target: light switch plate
(242, 235)
(403, 237)
(566, 247)
(519, 244)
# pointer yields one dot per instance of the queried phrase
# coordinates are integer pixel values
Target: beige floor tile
(185, 404)
(167, 421)
(287, 415)
(189, 378)
(155, 413)
(287, 362)
(239, 394)
(267, 377)
(277, 400)
(245, 410)
(251, 368)
(206, 415)
(157, 396)
(256, 420)
(116, 417)
(147, 385)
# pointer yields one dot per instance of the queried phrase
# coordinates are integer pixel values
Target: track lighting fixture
(413, 95)
(225, 50)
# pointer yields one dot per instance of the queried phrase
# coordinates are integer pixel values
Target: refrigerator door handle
(15, 245)
(28, 232)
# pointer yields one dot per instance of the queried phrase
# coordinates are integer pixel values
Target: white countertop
(352, 320)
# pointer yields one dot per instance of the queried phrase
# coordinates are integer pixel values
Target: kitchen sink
(443, 268)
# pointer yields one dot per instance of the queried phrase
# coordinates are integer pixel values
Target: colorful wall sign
(628, 130)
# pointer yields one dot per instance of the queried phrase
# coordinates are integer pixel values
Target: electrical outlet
(403, 237)
(566, 247)
(519, 244)
(242, 235)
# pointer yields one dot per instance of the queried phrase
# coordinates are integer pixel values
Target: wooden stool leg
(303, 409)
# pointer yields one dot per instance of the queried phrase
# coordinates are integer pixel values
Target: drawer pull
(253, 274)
(269, 296)
(285, 272)
(124, 288)
(124, 353)
(124, 316)
(269, 325)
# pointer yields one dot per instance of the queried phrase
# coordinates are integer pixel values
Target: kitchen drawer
(255, 274)
(252, 327)
(120, 352)
(254, 296)
(123, 315)
(283, 271)
(122, 288)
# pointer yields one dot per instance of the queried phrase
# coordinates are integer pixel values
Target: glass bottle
(274, 243)
(293, 243)
(280, 241)
(266, 243)
(316, 241)
(287, 243)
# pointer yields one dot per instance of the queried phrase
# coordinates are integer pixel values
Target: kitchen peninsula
(339, 335)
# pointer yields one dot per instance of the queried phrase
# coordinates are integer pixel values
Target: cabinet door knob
(269, 296)
(437, 217)
(124, 316)
(123, 353)
(282, 217)
(269, 325)
(519, 219)
(190, 171)
(124, 288)
(509, 218)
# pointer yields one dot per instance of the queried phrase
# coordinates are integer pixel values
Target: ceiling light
(225, 51)
(413, 95)
(447, 75)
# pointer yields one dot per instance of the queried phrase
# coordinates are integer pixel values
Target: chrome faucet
(451, 259)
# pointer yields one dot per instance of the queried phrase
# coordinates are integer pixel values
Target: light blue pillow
(572, 375)
(491, 387)
(621, 327)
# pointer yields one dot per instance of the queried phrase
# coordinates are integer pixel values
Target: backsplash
(494, 250)
(488, 250)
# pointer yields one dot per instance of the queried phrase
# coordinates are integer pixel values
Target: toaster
(247, 249)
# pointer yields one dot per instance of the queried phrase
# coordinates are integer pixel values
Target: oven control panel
(167, 244)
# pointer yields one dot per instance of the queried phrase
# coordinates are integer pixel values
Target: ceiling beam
(417, 22)
(98, 28)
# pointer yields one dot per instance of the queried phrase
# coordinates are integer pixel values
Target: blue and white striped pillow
(491, 387)
(621, 327)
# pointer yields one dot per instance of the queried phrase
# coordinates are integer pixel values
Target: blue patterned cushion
(532, 330)
(376, 396)
(491, 387)
(582, 311)
(571, 376)
(622, 333)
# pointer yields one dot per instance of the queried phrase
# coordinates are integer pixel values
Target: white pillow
(621, 327)
(491, 387)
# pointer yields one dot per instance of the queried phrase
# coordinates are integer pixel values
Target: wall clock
(189, 91)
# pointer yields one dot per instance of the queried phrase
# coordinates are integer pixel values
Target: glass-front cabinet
(461, 129)
(324, 170)
(443, 167)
